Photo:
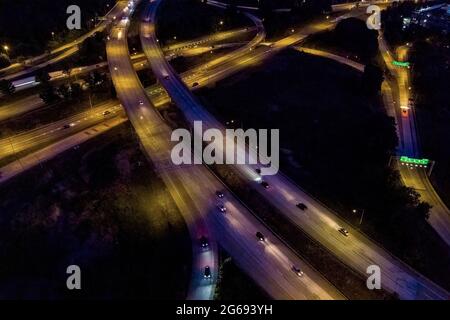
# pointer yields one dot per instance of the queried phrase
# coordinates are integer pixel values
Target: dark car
(194, 84)
(207, 272)
(301, 206)
(222, 208)
(344, 231)
(258, 171)
(265, 185)
(66, 126)
(204, 242)
(105, 113)
(260, 236)
(297, 271)
(219, 194)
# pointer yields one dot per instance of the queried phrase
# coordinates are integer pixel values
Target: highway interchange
(198, 202)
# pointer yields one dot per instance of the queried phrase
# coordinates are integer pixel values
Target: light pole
(362, 214)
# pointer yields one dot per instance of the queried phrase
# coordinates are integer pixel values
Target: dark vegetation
(6, 87)
(430, 79)
(27, 26)
(188, 19)
(301, 11)
(100, 207)
(233, 284)
(350, 38)
(4, 60)
(336, 142)
(394, 30)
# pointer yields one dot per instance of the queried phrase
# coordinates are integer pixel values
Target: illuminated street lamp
(362, 214)
(6, 48)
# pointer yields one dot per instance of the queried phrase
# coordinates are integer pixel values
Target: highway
(42, 155)
(319, 222)
(193, 189)
(399, 280)
(399, 93)
(185, 48)
(412, 176)
(31, 65)
(60, 129)
(355, 65)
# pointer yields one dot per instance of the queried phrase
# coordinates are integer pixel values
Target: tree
(69, 92)
(48, 94)
(372, 79)
(96, 79)
(93, 49)
(42, 76)
(4, 60)
(64, 92)
(423, 210)
(6, 87)
(76, 91)
(353, 35)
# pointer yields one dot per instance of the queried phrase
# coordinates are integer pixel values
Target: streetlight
(6, 48)
(362, 214)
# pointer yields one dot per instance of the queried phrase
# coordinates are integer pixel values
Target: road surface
(322, 224)
(399, 105)
(193, 189)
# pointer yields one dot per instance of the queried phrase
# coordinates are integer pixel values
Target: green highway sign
(400, 63)
(408, 160)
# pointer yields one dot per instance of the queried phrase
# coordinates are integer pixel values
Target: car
(260, 236)
(265, 185)
(404, 112)
(297, 270)
(141, 102)
(194, 84)
(344, 231)
(166, 77)
(258, 171)
(301, 206)
(207, 272)
(204, 242)
(221, 208)
(66, 126)
(105, 113)
(219, 194)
